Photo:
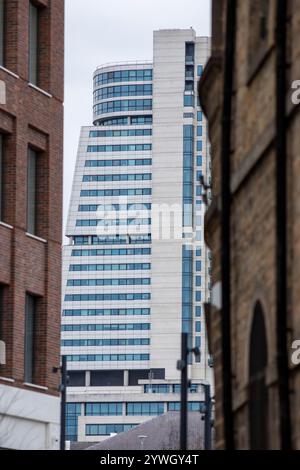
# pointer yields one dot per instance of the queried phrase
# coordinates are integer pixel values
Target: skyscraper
(136, 270)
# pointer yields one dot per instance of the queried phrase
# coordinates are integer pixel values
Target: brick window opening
(33, 44)
(32, 192)
(2, 32)
(29, 338)
(2, 199)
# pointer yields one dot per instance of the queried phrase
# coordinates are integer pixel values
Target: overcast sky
(100, 31)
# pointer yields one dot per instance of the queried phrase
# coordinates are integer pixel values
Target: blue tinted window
(122, 105)
(199, 70)
(199, 131)
(144, 409)
(123, 76)
(199, 146)
(106, 312)
(107, 357)
(198, 311)
(189, 100)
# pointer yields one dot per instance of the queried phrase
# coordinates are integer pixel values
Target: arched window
(258, 391)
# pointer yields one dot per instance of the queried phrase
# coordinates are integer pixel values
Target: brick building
(31, 157)
(252, 225)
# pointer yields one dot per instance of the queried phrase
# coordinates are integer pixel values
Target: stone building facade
(252, 225)
(31, 148)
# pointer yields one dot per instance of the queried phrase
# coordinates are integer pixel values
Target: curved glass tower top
(123, 94)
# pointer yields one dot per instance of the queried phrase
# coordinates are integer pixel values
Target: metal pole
(207, 421)
(184, 392)
(63, 390)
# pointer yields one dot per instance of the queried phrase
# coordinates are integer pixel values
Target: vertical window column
(187, 252)
(33, 43)
(2, 32)
(1, 178)
(30, 312)
(31, 191)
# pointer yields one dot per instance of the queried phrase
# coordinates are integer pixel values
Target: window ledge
(40, 90)
(38, 387)
(4, 69)
(5, 379)
(34, 237)
(3, 224)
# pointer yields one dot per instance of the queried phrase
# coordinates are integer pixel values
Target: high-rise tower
(134, 279)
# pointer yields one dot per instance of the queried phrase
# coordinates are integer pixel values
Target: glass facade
(122, 90)
(122, 106)
(106, 312)
(123, 76)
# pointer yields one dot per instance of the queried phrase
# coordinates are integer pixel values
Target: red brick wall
(32, 118)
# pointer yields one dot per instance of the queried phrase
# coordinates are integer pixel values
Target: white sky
(100, 31)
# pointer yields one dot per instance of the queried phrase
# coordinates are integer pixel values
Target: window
(105, 297)
(33, 43)
(123, 76)
(109, 312)
(2, 32)
(198, 327)
(2, 293)
(199, 160)
(189, 100)
(108, 357)
(144, 409)
(125, 133)
(121, 106)
(107, 429)
(122, 177)
(110, 267)
(30, 313)
(31, 191)
(1, 178)
(103, 409)
(116, 192)
(120, 148)
(107, 327)
(73, 410)
(199, 70)
(198, 311)
(199, 131)
(199, 146)
(123, 90)
(199, 116)
(113, 252)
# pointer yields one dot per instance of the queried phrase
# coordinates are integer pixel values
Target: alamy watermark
(295, 97)
(295, 357)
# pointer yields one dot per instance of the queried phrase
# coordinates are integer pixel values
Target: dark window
(107, 378)
(30, 312)
(2, 289)
(2, 32)
(31, 191)
(33, 43)
(258, 391)
(1, 177)
(145, 374)
(76, 378)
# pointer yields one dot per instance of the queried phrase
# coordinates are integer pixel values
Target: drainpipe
(281, 228)
(225, 222)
